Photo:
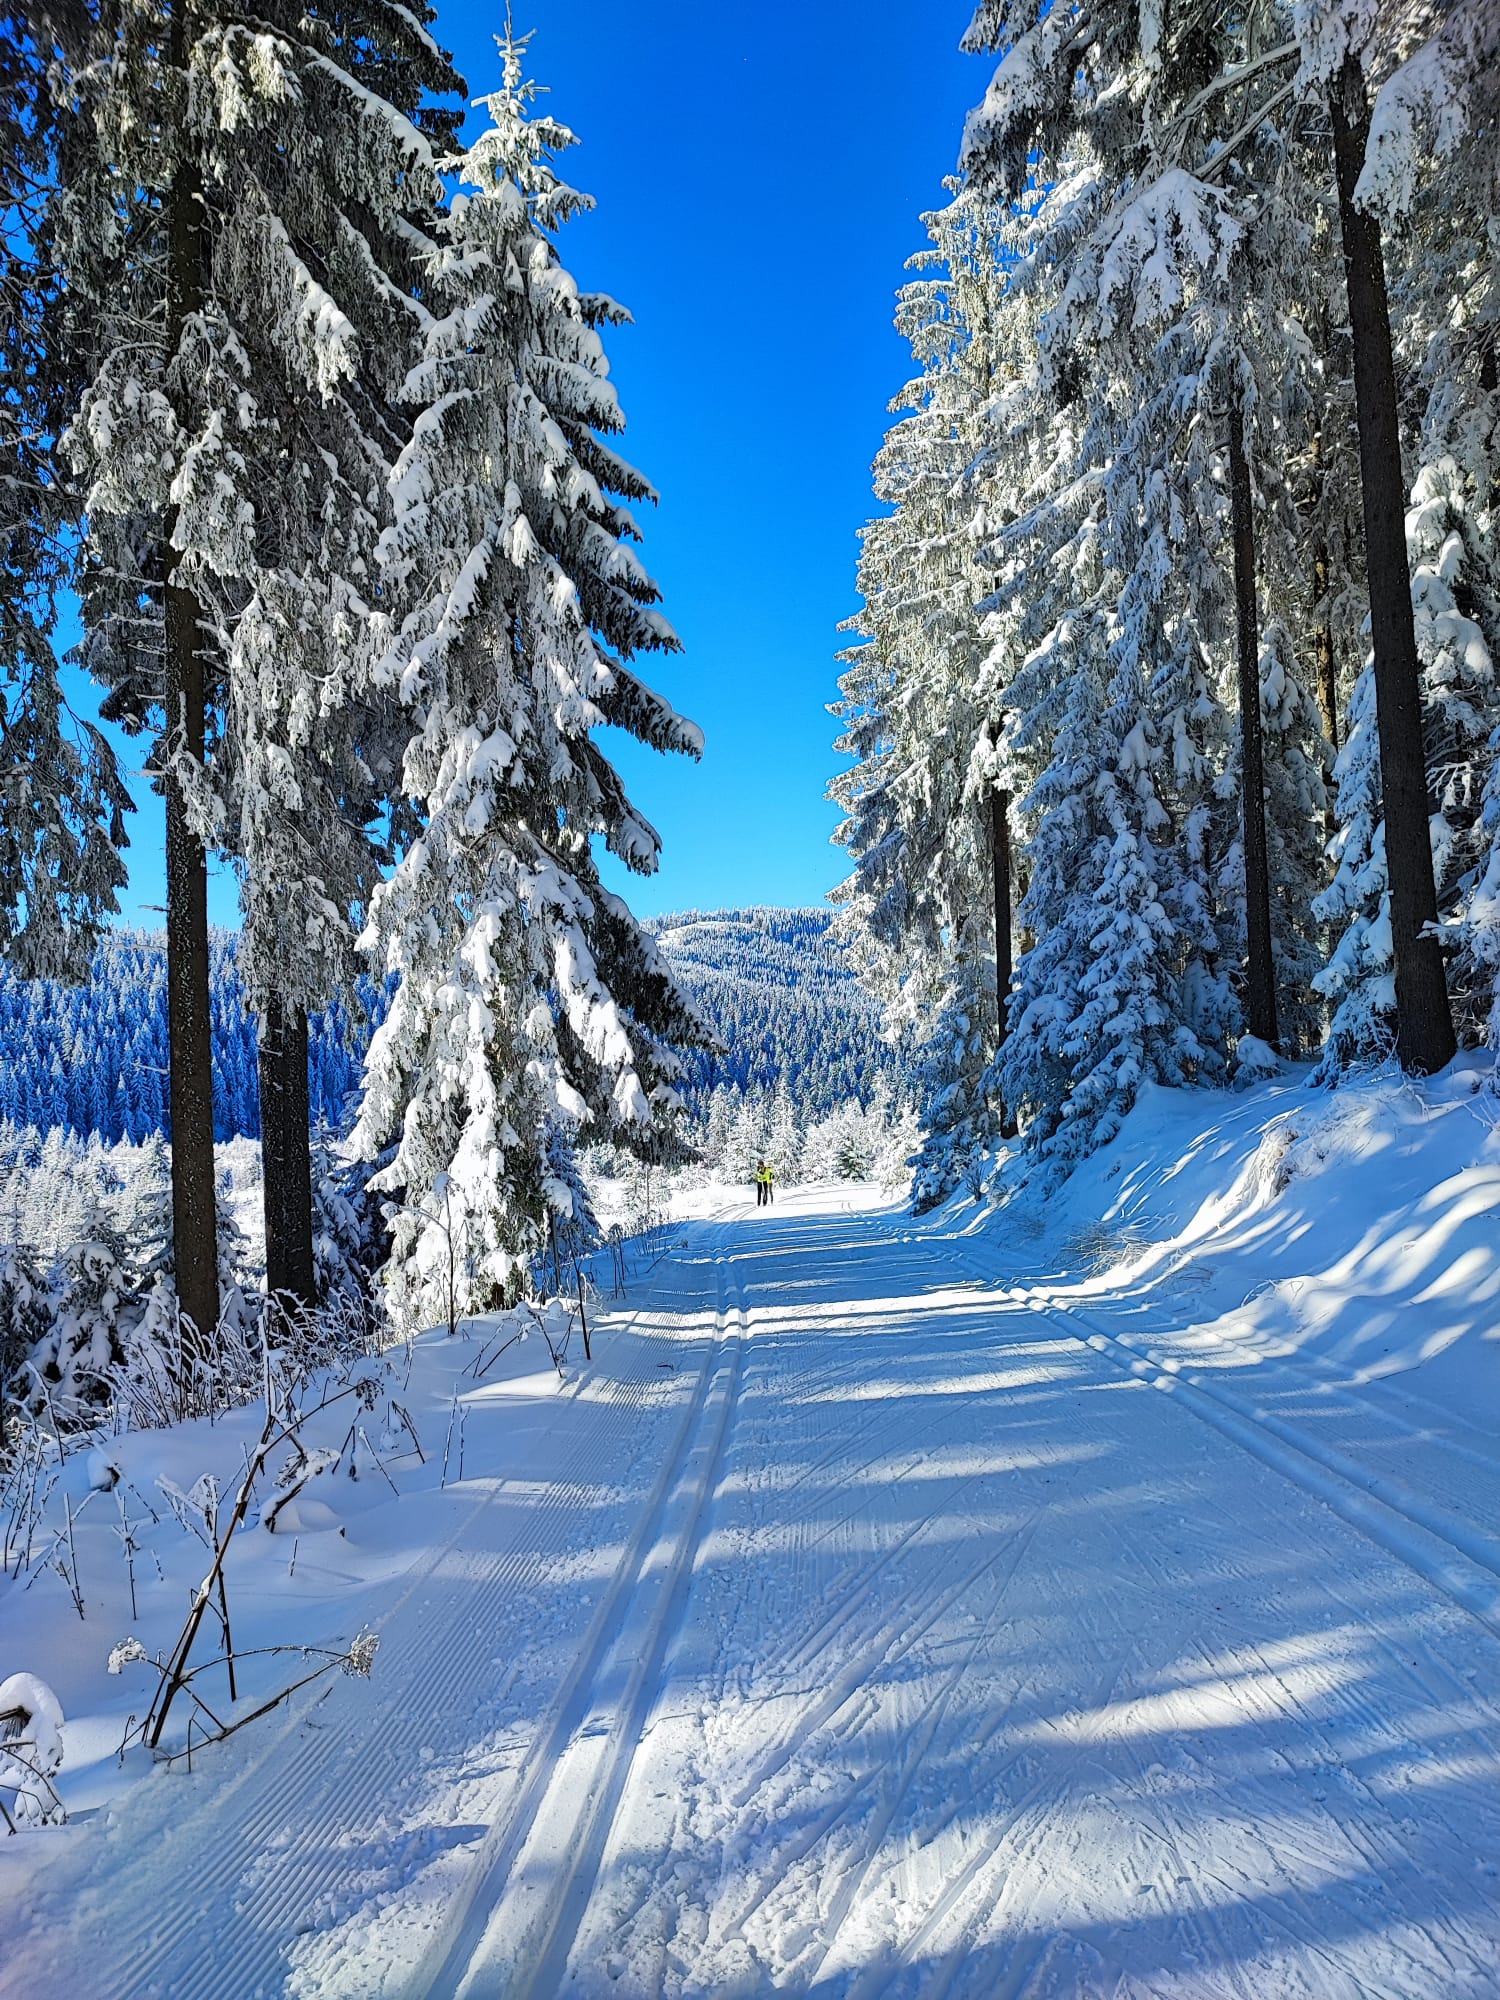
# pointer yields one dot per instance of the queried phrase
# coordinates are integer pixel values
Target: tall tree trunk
(1326, 660)
(1000, 877)
(1328, 687)
(189, 1020)
(1260, 965)
(1328, 692)
(1001, 883)
(286, 1157)
(1424, 1024)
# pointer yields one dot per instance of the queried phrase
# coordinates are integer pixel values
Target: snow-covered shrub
(346, 1222)
(896, 1141)
(350, 1238)
(31, 1750)
(25, 1318)
(841, 1148)
(566, 1191)
(72, 1364)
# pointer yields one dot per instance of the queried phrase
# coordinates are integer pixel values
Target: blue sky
(759, 174)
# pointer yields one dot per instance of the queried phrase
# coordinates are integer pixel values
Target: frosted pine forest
(559, 1436)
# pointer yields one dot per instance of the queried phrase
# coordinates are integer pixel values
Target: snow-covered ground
(1101, 1597)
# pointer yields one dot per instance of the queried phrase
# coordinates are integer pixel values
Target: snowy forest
(1172, 699)
(1170, 712)
(308, 416)
(782, 1006)
(942, 1441)
(793, 1068)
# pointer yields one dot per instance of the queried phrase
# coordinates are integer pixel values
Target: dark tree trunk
(1424, 1024)
(286, 1157)
(1004, 894)
(1328, 692)
(1326, 661)
(1328, 686)
(189, 1021)
(1260, 964)
(1000, 877)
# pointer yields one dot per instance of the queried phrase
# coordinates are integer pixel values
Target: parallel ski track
(700, 1664)
(268, 1879)
(1302, 1374)
(614, 1684)
(1444, 1551)
(533, 1883)
(1290, 1374)
(829, 1680)
(1449, 1553)
(983, 1879)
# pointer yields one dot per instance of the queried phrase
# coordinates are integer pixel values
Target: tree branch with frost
(1231, 146)
(281, 1427)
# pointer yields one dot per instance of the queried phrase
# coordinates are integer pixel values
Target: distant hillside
(779, 993)
(93, 1058)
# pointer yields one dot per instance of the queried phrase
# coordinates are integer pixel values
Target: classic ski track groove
(521, 1953)
(285, 1788)
(1303, 1375)
(1365, 1501)
(1320, 1378)
(1466, 1568)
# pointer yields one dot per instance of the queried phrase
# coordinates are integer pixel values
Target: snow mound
(1356, 1225)
(31, 1748)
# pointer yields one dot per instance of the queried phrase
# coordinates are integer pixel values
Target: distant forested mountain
(93, 1058)
(778, 990)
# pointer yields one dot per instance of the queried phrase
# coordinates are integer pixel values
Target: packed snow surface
(1101, 1597)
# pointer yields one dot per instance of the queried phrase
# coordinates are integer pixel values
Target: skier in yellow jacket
(764, 1182)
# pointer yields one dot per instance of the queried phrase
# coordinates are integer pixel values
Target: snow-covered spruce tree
(1145, 299)
(1100, 998)
(1433, 168)
(314, 752)
(566, 1195)
(920, 805)
(1095, 684)
(70, 1370)
(242, 225)
(784, 1138)
(1135, 124)
(953, 1068)
(25, 1319)
(1459, 713)
(1114, 732)
(61, 797)
(349, 1236)
(527, 993)
(1292, 480)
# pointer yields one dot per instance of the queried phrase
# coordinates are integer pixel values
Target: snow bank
(1356, 1228)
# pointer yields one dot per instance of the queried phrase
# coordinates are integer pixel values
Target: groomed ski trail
(866, 1628)
(536, 1886)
